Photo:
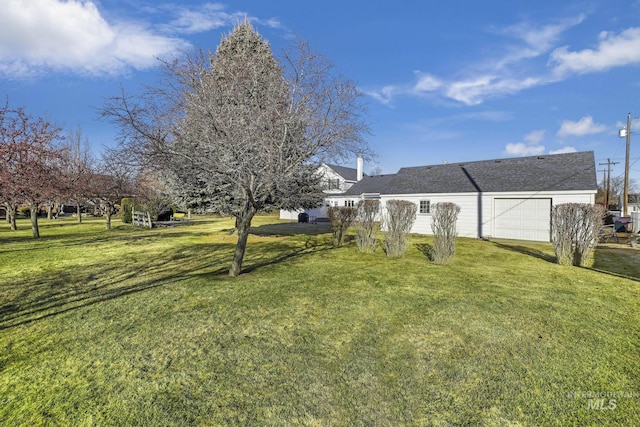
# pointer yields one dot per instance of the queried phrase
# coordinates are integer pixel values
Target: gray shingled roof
(557, 172)
(369, 184)
(349, 174)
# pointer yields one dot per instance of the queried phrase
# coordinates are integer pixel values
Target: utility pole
(604, 186)
(625, 200)
(607, 183)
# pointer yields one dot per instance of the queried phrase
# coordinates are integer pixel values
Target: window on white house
(349, 203)
(425, 206)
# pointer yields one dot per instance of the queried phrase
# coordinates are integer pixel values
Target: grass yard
(144, 327)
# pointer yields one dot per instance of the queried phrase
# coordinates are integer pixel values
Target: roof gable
(349, 174)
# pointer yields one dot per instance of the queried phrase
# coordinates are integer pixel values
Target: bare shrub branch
(443, 224)
(365, 225)
(398, 219)
(574, 231)
(341, 219)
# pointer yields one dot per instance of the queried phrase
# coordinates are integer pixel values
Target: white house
(335, 180)
(502, 198)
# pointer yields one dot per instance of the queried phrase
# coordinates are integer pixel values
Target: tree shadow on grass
(135, 237)
(426, 249)
(621, 262)
(61, 290)
(525, 250)
(284, 253)
(290, 229)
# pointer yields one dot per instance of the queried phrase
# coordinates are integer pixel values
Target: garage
(523, 219)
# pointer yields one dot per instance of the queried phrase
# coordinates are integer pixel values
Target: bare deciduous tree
(77, 169)
(30, 163)
(113, 179)
(398, 219)
(574, 231)
(367, 210)
(237, 132)
(341, 218)
(445, 234)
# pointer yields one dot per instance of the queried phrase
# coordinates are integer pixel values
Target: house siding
(470, 224)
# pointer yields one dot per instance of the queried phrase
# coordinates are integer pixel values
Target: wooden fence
(141, 218)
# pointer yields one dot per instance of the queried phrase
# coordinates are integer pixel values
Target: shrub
(443, 224)
(126, 210)
(341, 219)
(574, 231)
(24, 211)
(364, 225)
(399, 218)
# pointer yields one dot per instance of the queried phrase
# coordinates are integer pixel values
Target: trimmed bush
(126, 210)
(574, 232)
(398, 219)
(364, 225)
(443, 224)
(341, 219)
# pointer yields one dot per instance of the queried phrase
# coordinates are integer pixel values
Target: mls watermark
(603, 400)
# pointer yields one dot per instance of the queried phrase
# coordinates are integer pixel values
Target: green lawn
(144, 327)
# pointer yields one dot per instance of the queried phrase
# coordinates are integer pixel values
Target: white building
(335, 180)
(502, 198)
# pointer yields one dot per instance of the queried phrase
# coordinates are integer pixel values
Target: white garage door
(523, 219)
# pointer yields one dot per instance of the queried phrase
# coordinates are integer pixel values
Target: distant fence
(142, 219)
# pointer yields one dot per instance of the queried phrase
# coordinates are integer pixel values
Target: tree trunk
(79, 212)
(243, 224)
(49, 211)
(107, 214)
(34, 221)
(11, 217)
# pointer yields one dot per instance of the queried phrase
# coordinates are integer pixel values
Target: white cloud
(206, 17)
(584, 126)
(41, 35)
(427, 82)
(519, 65)
(534, 137)
(612, 51)
(384, 95)
(506, 73)
(531, 147)
(476, 90)
(210, 16)
(522, 149)
(537, 39)
(563, 150)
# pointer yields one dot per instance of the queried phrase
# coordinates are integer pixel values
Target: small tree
(443, 224)
(341, 219)
(367, 210)
(239, 132)
(399, 218)
(574, 231)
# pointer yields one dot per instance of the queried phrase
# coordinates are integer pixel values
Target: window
(333, 184)
(425, 206)
(349, 203)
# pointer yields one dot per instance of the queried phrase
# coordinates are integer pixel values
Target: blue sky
(443, 81)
